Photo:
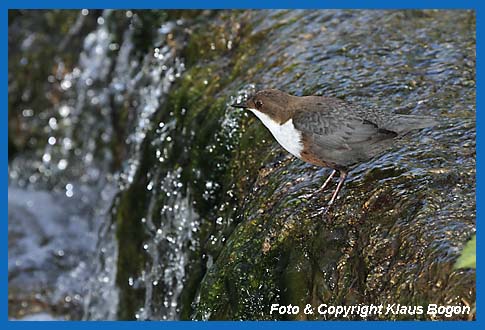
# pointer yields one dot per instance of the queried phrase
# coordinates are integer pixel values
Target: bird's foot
(320, 190)
(307, 196)
(322, 212)
(313, 194)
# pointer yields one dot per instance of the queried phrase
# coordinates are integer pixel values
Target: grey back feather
(345, 135)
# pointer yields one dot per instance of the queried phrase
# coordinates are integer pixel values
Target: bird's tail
(403, 124)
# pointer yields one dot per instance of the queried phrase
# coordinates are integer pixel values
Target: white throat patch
(286, 135)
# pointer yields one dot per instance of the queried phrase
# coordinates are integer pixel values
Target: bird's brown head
(271, 102)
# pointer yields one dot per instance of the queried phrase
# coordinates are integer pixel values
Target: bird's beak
(243, 105)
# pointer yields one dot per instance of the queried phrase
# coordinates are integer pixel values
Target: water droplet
(67, 143)
(53, 123)
(69, 190)
(46, 158)
(64, 111)
(62, 164)
(66, 84)
(27, 112)
(51, 140)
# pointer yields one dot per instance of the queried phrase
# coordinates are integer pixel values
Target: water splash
(168, 248)
(146, 83)
(77, 158)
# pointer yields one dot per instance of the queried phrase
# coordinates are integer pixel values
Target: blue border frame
(240, 4)
(221, 4)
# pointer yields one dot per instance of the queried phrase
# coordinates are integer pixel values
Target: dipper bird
(329, 132)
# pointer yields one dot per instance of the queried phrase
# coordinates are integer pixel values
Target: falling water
(76, 157)
(148, 82)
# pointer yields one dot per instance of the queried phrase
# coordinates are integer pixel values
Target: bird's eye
(258, 104)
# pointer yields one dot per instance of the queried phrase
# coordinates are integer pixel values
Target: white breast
(286, 135)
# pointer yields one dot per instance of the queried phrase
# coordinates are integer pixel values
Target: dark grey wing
(342, 136)
(339, 131)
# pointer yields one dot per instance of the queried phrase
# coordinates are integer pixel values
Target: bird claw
(312, 195)
(321, 212)
(307, 196)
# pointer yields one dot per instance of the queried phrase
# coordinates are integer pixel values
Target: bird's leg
(322, 188)
(325, 184)
(343, 176)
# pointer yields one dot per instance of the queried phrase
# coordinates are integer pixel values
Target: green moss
(198, 111)
(468, 257)
(146, 25)
(130, 207)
